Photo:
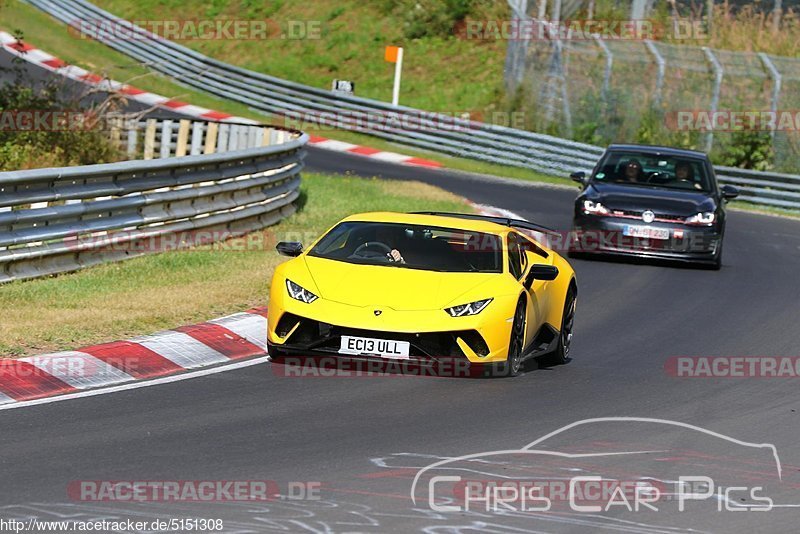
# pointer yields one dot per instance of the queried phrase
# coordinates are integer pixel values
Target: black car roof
(662, 150)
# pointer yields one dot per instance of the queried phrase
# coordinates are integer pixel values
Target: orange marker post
(394, 54)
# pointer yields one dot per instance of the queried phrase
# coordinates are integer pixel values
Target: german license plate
(646, 232)
(367, 346)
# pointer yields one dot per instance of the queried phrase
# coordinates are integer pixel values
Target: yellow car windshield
(412, 246)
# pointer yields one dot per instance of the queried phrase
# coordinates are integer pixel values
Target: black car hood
(658, 200)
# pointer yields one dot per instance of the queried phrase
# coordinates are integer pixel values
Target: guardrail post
(662, 66)
(609, 65)
(777, 81)
(183, 138)
(515, 49)
(254, 137)
(243, 141)
(166, 138)
(222, 140)
(197, 138)
(115, 133)
(133, 134)
(718, 73)
(150, 139)
(233, 137)
(211, 138)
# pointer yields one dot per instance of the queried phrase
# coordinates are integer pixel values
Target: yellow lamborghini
(425, 288)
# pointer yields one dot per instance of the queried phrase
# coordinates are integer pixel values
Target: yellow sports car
(424, 288)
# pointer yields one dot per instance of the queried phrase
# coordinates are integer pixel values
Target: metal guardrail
(163, 138)
(450, 135)
(62, 219)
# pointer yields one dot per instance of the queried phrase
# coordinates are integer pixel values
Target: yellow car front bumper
(433, 334)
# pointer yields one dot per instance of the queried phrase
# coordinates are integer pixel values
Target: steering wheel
(377, 244)
(657, 177)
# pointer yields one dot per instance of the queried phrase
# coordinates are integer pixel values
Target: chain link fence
(599, 90)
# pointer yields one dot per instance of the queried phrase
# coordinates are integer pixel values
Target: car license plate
(385, 348)
(646, 232)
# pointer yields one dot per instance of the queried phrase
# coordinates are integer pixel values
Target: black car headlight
(300, 293)
(701, 219)
(591, 207)
(472, 308)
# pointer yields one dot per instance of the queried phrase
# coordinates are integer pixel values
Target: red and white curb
(219, 341)
(374, 153)
(47, 61)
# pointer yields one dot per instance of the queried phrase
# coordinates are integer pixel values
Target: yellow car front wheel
(561, 354)
(513, 364)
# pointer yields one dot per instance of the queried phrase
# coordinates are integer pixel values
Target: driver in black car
(633, 171)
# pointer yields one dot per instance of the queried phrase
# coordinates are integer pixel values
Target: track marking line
(138, 384)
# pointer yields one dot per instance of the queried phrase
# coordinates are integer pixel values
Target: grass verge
(150, 293)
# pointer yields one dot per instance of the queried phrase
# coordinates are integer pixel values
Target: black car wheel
(717, 265)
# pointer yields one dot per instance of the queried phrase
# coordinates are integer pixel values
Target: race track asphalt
(364, 438)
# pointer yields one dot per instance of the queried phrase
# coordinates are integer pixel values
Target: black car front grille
(659, 217)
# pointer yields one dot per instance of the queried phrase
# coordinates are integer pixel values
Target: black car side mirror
(729, 192)
(289, 248)
(579, 177)
(540, 272)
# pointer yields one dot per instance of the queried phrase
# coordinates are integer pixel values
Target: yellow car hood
(398, 288)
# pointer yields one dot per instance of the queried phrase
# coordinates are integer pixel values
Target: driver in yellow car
(390, 237)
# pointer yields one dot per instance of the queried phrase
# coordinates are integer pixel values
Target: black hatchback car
(651, 201)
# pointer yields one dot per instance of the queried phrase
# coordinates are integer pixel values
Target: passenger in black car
(684, 171)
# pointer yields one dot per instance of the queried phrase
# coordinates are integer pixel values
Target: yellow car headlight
(472, 308)
(300, 293)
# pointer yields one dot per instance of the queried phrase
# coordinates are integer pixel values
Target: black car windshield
(653, 170)
(411, 246)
